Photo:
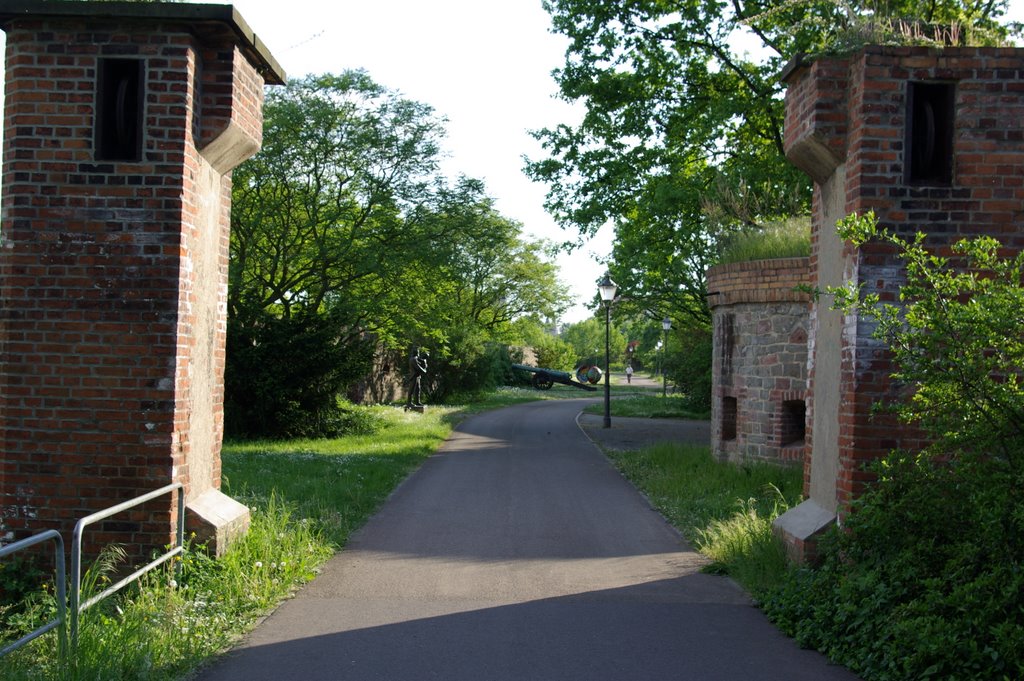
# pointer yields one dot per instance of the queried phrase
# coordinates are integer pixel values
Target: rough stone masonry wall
(112, 354)
(759, 367)
(849, 125)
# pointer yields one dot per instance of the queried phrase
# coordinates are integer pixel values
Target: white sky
(485, 65)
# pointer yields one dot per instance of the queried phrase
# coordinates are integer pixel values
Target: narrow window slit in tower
(119, 107)
(729, 414)
(794, 422)
(930, 133)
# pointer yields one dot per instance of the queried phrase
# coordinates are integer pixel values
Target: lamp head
(607, 288)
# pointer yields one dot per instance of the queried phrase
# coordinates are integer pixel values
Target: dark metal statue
(417, 370)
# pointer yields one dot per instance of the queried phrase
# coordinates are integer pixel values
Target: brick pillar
(122, 124)
(930, 140)
(759, 368)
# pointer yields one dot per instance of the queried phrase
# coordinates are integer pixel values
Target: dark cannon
(543, 379)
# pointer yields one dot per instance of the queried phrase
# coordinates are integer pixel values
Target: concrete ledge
(216, 519)
(800, 527)
(193, 14)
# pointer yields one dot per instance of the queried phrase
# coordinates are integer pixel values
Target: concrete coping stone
(187, 13)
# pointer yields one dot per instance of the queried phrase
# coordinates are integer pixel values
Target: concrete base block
(216, 519)
(800, 527)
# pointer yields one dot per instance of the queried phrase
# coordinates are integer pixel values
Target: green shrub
(468, 369)
(554, 353)
(925, 578)
(689, 368)
(284, 375)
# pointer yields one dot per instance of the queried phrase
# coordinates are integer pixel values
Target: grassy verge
(648, 405)
(725, 510)
(306, 496)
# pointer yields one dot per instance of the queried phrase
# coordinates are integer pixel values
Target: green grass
(336, 484)
(789, 239)
(306, 496)
(170, 622)
(724, 509)
(648, 405)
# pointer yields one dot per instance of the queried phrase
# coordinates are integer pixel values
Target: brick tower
(931, 140)
(121, 127)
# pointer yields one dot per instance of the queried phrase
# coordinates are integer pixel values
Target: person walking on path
(629, 373)
(519, 553)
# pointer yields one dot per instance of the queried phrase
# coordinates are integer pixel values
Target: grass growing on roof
(788, 239)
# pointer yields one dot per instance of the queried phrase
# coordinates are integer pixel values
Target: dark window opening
(727, 343)
(729, 413)
(793, 428)
(930, 132)
(119, 108)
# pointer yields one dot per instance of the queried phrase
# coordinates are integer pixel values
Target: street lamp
(666, 324)
(659, 356)
(607, 288)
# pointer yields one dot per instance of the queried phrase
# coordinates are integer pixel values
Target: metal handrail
(59, 587)
(76, 552)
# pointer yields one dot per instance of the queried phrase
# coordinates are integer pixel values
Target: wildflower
(173, 584)
(259, 564)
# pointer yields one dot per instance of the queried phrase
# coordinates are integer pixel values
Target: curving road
(519, 553)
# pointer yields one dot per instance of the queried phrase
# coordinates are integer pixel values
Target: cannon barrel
(554, 373)
(543, 378)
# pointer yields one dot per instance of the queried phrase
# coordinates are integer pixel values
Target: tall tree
(343, 230)
(681, 140)
(321, 207)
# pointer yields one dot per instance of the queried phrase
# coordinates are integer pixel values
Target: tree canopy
(681, 140)
(346, 236)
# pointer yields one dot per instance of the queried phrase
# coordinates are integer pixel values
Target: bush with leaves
(284, 375)
(554, 353)
(688, 367)
(925, 578)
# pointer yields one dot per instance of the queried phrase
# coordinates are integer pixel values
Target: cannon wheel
(542, 381)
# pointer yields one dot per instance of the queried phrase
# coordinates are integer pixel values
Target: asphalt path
(518, 552)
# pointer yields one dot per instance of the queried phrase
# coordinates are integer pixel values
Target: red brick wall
(861, 119)
(96, 319)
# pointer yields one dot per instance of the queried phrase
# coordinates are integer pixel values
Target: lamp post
(659, 367)
(666, 324)
(607, 289)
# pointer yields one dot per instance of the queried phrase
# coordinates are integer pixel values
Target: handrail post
(77, 606)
